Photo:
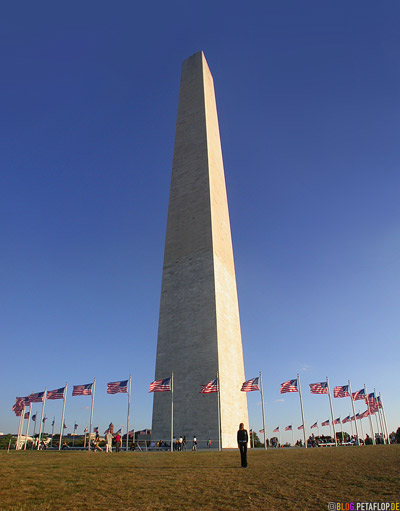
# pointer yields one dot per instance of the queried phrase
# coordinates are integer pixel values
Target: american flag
(75, 426)
(82, 390)
(65, 426)
(27, 415)
(337, 421)
(288, 428)
(373, 404)
(289, 386)
(360, 394)
(364, 414)
(56, 394)
(379, 402)
(44, 419)
(250, 385)
(314, 425)
(319, 388)
(18, 406)
(261, 431)
(34, 417)
(85, 430)
(325, 423)
(276, 429)
(353, 418)
(211, 386)
(341, 391)
(53, 422)
(346, 419)
(18, 412)
(117, 386)
(36, 398)
(160, 385)
(301, 427)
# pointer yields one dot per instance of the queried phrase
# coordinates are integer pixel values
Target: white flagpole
(280, 436)
(302, 411)
(379, 416)
(219, 414)
(91, 411)
(362, 431)
(354, 412)
(292, 437)
(62, 416)
(27, 427)
(20, 426)
(369, 416)
(52, 431)
(351, 425)
(341, 429)
(127, 420)
(34, 430)
(172, 411)
(384, 419)
(41, 417)
(333, 418)
(263, 411)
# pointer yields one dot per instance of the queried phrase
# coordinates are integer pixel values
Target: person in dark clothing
(242, 439)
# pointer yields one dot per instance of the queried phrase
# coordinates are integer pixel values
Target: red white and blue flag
(82, 390)
(325, 423)
(314, 425)
(56, 394)
(288, 428)
(27, 415)
(373, 404)
(276, 429)
(261, 431)
(250, 385)
(301, 427)
(36, 398)
(160, 385)
(117, 386)
(85, 430)
(341, 391)
(379, 402)
(289, 386)
(319, 388)
(337, 421)
(346, 419)
(360, 394)
(364, 414)
(34, 417)
(211, 386)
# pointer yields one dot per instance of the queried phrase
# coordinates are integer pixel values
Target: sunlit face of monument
(199, 327)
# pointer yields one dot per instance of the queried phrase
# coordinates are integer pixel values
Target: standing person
(180, 443)
(242, 439)
(209, 443)
(109, 439)
(194, 447)
(117, 442)
(96, 446)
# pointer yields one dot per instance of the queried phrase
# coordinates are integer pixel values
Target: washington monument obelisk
(199, 327)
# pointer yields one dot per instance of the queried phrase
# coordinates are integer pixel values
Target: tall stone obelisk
(199, 327)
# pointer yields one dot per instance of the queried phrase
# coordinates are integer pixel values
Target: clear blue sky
(309, 106)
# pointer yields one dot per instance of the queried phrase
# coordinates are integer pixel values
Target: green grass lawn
(285, 479)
